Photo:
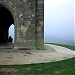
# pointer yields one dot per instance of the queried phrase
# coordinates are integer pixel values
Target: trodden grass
(65, 67)
(67, 46)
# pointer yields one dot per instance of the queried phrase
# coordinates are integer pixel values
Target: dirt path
(52, 53)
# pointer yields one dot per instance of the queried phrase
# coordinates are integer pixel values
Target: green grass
(67, 46)
(65, 67)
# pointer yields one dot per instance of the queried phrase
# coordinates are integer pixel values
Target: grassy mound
(66, 46)
(65, 67)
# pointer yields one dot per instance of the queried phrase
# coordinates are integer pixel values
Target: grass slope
(67, 46)
(65, 67)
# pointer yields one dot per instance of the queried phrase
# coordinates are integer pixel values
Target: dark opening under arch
(6, 20)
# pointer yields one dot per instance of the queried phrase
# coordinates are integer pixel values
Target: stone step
(7, 46)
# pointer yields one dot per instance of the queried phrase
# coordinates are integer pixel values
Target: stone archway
(6, 19)
(28, 21)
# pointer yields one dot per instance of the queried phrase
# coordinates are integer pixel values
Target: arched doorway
(11, 32)
(6, 20)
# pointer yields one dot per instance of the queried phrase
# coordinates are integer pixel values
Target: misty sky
(11, 31)
(59, 18)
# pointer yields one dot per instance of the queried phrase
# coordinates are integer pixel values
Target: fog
(59, 21)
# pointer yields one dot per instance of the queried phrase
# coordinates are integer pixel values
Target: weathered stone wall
(28, 21)
(40, 23)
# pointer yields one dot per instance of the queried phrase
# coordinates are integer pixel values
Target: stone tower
(28, 19)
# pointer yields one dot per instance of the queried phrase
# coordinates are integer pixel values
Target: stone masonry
(28, 18)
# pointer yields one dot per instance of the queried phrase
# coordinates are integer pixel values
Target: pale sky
(11, 31)
(59, 18)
